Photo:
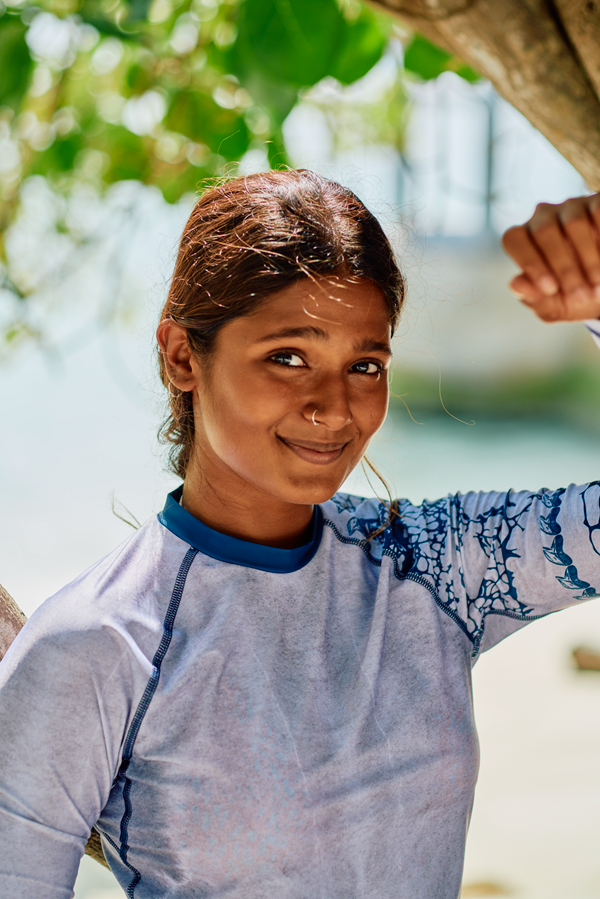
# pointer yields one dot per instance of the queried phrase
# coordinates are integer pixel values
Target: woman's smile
(313, 451)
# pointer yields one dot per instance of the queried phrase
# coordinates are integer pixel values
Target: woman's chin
(318, 490)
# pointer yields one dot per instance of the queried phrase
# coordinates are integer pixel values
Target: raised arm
(558, 251)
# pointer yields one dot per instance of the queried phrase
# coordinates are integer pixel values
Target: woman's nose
(329, 407)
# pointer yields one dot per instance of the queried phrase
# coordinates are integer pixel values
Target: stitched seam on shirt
(505, 613)
(417, 578)
(110, 840)
(142, 708)
(363, 544)
(592, 329)
(423, 582)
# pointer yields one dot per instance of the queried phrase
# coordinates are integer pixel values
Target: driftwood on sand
(586, 659)
(12, 620)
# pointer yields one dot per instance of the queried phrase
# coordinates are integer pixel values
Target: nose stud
(313, 418)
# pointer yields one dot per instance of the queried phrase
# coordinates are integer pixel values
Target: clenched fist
(558, 250)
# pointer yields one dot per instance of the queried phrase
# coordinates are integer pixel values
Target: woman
(265, 692)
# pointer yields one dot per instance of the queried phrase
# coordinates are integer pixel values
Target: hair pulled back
(251, 237)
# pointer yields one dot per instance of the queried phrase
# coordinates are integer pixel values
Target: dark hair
(251, 237)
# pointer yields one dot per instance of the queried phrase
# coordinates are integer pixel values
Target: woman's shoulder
(365, 515)
(114, 607)
(372, 525)
(401, 527)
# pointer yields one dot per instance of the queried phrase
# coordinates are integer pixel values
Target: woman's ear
(180, 363)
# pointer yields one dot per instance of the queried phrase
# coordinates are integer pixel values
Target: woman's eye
(291, 360)
(367, 368)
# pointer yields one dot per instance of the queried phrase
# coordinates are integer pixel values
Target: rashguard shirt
(593, 327)
(245, 722)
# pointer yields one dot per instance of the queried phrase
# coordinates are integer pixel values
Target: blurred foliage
(428, 61)
(569, 393)
(173, 92)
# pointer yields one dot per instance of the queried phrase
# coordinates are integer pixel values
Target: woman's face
(295, 391)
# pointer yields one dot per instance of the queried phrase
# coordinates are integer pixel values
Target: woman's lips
(313, 451)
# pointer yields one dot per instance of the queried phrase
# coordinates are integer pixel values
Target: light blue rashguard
(594, 329)
(244, 722)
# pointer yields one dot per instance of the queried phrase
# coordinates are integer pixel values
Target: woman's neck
(228, 504)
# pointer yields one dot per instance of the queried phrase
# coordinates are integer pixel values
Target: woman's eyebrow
(305, 331)
(310, 331)
(373, 346)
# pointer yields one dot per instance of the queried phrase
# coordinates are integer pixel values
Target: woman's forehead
(324, 305)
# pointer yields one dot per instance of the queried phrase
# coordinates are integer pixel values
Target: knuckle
(573, 206)
(592, 199)
(542, 228)
(544, 212)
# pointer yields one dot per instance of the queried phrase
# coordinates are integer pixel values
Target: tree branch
(430, 10)
(12, 619)
(581, 21)
(520, 48)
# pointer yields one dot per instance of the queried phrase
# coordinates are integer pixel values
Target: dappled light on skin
(331, 290)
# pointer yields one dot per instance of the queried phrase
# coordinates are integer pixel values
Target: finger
(563, 308)
(548, 309)
(593, 208)
(547, 234)
(579, 227)
(524, 288)
(517, 242)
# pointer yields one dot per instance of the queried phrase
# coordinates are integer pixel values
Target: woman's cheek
(372, 409)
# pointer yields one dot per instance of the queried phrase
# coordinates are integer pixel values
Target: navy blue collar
(238, 552)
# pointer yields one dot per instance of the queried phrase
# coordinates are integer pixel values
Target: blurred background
(113, 114)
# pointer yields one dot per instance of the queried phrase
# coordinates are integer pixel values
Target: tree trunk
(543, 56)
(581, 21)
(12, 620)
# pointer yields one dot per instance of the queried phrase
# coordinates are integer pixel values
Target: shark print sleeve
(491, 561)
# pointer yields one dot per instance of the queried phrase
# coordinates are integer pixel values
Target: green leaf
(362, 44)
(467, 73)
(198, 117)
(278, 98)
(294, 41)
(425, 59)
(428, 61)
(15, 61)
